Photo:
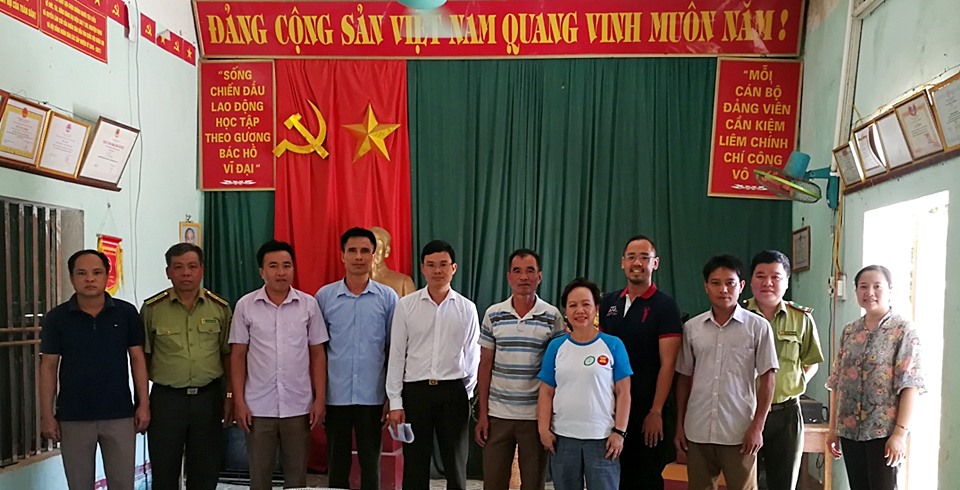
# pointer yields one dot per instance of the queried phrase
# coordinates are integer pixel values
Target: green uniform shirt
(797, 343)
(185, 346)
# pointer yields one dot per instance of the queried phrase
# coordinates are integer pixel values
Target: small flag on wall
(110, 246)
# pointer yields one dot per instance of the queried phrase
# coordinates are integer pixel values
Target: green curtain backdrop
(571, 157)
(237, 223)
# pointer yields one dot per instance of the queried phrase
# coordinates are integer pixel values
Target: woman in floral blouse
(874, 385)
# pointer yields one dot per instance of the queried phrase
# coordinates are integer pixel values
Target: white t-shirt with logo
(584, 375)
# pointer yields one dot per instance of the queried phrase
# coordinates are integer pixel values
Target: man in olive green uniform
(798, 350)
(188, 359)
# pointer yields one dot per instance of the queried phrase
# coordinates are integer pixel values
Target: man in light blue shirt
(358, 312)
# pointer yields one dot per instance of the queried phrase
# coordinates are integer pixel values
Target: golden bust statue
(401, 283)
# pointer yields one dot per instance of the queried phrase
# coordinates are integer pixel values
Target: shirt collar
(452, 295)
(539, 306)
(646, 294)
(74, 305)
(753, 306)
(201, 296)
(739, 314)
(262, 296)
(343, 290)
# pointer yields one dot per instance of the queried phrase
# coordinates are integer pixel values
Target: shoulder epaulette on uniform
(805, 309)
(156, 298)
(216, 298)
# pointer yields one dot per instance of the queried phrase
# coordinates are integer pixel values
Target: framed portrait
(63, 145)
(191, 232)
(801, 249)
(21, 129)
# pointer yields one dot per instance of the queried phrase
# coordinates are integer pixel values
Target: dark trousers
(642, 466)
(442, 409)
(866, 466)
(292, 435)
(183, 422)
(505, 438)
(340, 424)
(782, 446)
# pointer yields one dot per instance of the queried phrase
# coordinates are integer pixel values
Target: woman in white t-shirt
(584, 401)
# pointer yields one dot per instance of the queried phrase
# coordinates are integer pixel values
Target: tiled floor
(319, 481)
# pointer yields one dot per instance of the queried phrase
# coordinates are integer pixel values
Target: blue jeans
(579, 458)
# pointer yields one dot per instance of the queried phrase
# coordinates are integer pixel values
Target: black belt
(776, 407)
(191, 390)
(434, 382)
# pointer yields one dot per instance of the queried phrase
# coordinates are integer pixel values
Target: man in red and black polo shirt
(648, 322)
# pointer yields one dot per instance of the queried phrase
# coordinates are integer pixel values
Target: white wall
(144, 87)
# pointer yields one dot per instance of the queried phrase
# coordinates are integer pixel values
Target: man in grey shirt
(727, 365)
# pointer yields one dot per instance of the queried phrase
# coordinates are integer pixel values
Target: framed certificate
(892, 140)
(850, 172)
(919, 128)
(63, 145)
(868, 152)
(801, 249)
(21, 127)
(108, 151)
(946, 106)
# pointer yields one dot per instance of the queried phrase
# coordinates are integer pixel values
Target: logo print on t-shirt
(589, 360)
(603, 360)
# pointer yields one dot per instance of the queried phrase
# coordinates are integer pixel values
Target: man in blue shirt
(86, 343)
(358, 312)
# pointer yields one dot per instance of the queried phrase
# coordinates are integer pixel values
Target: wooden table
(815, 442)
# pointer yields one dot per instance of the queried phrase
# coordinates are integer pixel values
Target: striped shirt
(519, 344)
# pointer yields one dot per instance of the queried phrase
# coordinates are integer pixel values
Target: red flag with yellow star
(343, 160)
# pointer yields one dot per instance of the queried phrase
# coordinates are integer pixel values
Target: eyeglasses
(642, 257)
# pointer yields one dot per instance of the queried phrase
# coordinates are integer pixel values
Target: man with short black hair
(85, 341)
(513, 338)
(647, 320)
(726, 373)
(279, 369)
(798, 351)
(358, 312)
(188, 358)
(432, 370)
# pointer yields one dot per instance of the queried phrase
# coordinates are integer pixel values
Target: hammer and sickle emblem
(314, 143)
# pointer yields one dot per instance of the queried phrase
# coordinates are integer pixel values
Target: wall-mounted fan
(794, 182)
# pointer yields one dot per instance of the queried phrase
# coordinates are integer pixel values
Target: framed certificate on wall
(108, 151)
(63, 145)
(946, 106)
(916, 118)
(893, 141)
(21, 128)
(850, 172)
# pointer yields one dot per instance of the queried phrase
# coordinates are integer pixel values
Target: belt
(191, 390)
(776, 407)
(434, 382)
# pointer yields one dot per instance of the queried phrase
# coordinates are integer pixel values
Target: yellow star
(371, 132)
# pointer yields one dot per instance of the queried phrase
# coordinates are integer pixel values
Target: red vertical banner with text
(756, 117)
(237, 126)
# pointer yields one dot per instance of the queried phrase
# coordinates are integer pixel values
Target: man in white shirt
(727, 365)
(432, 370)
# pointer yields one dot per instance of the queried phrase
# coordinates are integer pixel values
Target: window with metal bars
(29, 286)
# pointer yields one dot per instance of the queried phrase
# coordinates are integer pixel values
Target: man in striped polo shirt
(513, 337)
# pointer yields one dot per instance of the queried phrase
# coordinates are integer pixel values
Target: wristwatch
(622, 433)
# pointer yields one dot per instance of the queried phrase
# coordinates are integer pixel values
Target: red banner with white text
(756, 117)
(501, 29)
(236, 126)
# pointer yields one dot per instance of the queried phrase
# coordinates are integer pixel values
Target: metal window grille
(29, 286)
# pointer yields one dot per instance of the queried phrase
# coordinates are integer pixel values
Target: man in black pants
(432, 370)
(647, 320)
(798, 350)
(187, 357)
